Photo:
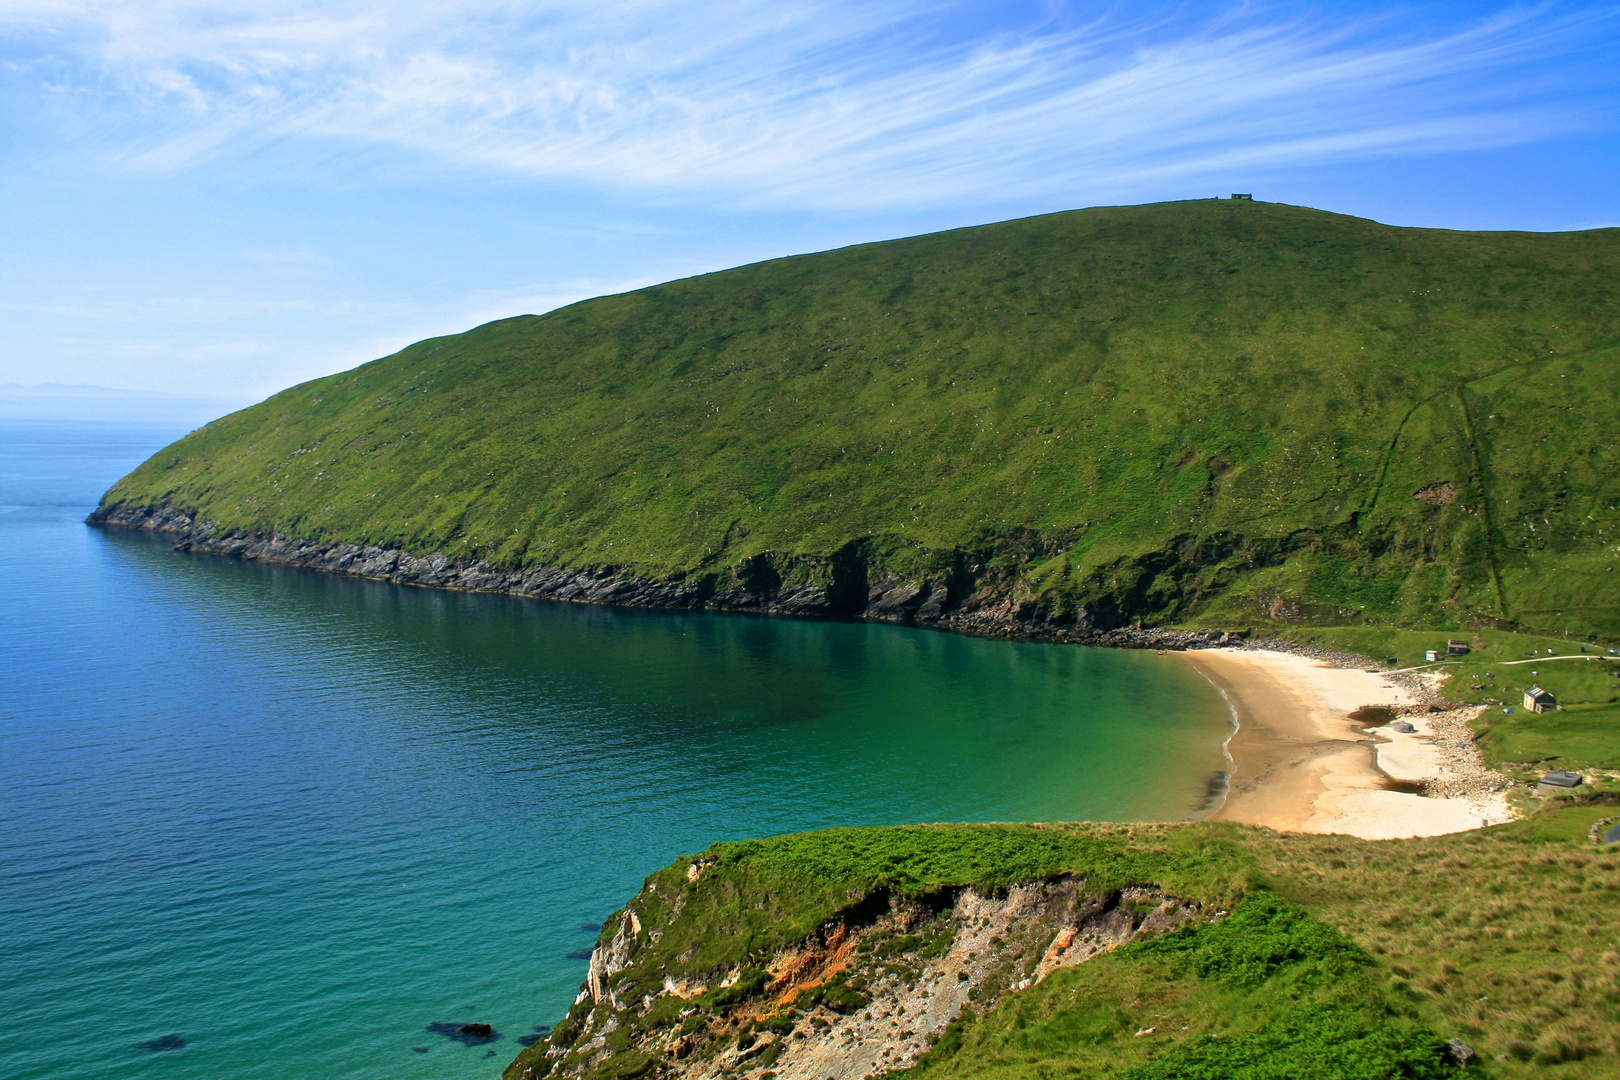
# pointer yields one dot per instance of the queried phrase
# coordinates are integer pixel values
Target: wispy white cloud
(814, 103)
(202, 310)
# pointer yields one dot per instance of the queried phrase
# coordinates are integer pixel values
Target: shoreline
(980, 610)
(1299, 763)
(1296, 762)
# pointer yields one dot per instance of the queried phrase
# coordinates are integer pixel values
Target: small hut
(1456, 647)
(1538, 700)
(1562, 778)
(1246, 196)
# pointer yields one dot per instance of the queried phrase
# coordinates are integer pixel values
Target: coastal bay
(292, 818)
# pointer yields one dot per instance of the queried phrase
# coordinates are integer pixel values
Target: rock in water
(467, 1034)
(167, 1042)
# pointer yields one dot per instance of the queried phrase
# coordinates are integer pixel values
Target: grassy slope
(1503, 937)
(1205, 411)
(1500, 937)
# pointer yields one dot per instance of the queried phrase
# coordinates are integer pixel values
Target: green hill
(1210, 412)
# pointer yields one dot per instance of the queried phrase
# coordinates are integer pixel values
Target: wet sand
(1300, 764)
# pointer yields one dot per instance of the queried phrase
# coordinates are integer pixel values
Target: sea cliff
(955, 602)
(1140, 952)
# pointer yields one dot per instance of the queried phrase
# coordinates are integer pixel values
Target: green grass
(1488, 649)
(834, 869)
(1209, 411)
(1583, 737)
(1268, 993)
(1341, 958)
(1501, 937)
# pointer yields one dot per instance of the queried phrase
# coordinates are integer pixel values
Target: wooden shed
(1456, 647)
(1538, 700)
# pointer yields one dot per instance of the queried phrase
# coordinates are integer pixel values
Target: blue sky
(221, 200)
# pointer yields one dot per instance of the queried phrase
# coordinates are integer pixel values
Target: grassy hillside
(1218, 412)
(1306, 957)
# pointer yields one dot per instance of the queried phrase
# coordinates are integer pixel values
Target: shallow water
(262, 822)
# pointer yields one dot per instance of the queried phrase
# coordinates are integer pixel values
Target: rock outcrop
(865, 994)
(965, 602)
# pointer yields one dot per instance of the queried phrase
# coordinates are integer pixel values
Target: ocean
(264, 822)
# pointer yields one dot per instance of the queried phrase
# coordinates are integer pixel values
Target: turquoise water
(292, 819)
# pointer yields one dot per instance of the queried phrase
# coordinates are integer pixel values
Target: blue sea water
(258, 822)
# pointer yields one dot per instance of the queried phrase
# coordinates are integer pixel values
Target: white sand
(1299, 763)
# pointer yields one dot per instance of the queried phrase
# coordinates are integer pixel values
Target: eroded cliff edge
(955, 592)
(1138, 952)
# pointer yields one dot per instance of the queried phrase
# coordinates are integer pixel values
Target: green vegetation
(1209, 414)
(1271, 992)
(1220, 413)
(1582, 738)
(1340, 958)
(832, 870)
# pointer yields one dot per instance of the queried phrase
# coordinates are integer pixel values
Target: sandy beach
(1300, 764)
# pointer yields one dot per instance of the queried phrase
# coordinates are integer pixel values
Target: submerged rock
(166, 1042)
(467, 1034)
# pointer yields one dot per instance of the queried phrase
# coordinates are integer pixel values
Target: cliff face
(1137, 953)
(871, 990)
(846, 585)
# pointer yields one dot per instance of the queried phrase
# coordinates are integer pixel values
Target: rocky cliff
(962, 598)
(1125, 953)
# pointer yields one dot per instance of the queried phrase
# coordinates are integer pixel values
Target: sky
(220, 200)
